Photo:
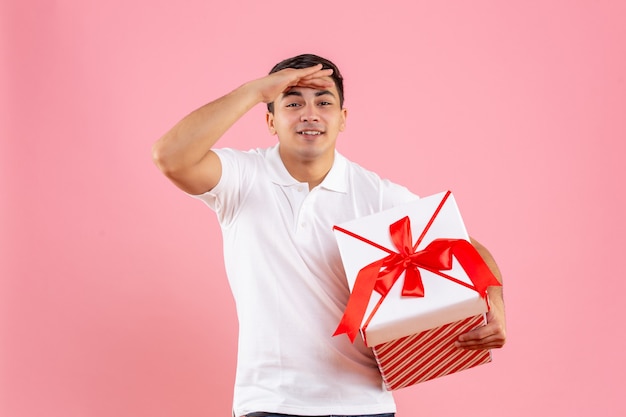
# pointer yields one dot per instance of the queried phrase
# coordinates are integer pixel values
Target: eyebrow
(299, 94)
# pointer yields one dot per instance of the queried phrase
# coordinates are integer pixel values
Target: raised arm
(184, 153)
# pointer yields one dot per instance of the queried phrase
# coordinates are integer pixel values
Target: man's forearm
(488, 258)
(495, 293)
(190, 139)
(493, 334)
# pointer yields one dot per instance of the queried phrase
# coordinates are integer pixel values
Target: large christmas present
(410, 299)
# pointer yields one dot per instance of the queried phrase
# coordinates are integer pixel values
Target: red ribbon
(380, 275)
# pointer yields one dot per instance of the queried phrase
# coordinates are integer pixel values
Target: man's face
(307, 122)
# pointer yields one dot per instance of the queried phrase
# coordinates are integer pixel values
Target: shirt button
(300, 189)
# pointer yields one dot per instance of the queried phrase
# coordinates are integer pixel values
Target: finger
(308, 71)
(478, 333)
(327, 72)
(319, 78)
(293, 76)
(317, 83)
(490, 342)
(484, 337)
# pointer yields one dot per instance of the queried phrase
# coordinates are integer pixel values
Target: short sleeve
(238, 171)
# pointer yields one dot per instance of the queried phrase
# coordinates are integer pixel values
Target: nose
(309, 114)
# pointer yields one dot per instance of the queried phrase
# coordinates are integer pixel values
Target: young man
(276, 208)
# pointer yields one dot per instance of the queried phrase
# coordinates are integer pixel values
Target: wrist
(254, 92)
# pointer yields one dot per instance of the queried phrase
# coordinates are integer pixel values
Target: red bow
(380, 275)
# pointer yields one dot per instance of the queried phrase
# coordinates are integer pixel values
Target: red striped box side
(428, 355)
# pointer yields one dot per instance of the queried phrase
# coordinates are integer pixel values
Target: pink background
(113, 297)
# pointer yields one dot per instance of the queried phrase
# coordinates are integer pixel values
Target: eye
(325, 103)
(293, 105)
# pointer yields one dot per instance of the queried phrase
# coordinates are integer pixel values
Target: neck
(311, 171)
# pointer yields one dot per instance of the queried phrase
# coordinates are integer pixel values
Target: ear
(344, 115)
(269, 118)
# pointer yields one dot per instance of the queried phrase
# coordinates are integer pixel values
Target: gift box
(411, 298)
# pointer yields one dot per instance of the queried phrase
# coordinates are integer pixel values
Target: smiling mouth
(310, 132)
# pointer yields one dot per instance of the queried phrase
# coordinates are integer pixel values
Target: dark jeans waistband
(263, 414)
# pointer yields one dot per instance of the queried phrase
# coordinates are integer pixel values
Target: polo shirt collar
(335, 179)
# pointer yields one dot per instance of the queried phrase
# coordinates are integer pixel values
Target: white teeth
(310, 132)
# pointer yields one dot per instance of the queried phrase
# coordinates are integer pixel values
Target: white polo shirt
(290, 290)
